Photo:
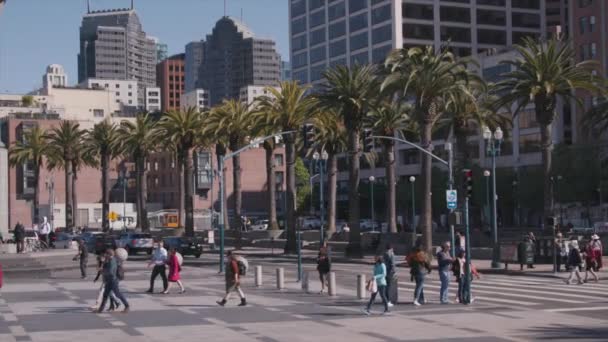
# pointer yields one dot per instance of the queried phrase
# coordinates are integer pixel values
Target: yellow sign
(113, 216)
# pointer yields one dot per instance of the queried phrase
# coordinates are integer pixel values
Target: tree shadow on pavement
(569, 332)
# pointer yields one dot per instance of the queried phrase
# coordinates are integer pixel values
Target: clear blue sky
(36, 33)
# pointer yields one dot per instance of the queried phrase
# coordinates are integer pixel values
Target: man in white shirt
(45, 230)
(159, 259)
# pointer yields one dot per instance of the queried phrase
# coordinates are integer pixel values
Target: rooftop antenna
(225, 8)
(88, 6)
(132, 4)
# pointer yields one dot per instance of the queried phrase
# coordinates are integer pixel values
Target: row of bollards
(280, 281)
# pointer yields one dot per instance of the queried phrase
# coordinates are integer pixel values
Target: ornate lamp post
(493, 141)
(412, 182)
(372, 179)
(321, 164)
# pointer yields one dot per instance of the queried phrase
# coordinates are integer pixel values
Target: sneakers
(126, 310)
(221, 302)
(150, 291)
(386, 312)
(390, 305)
(243, 302)
(366, 311)
(417, 303)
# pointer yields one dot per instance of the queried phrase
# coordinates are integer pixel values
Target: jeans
(389, 279)
(158, 269)
(113, 299)
(83, 267)
(461, 288)
(112, 286)
(382, 292)
(419, 291)
(234, 288)
(444, 276)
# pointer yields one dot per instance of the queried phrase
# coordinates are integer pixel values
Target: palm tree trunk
(332, 180)
(220, 152)
(105, 192)
(290, 156)
(391, 193)
(180, 168)
(425, 206)
(142, 196)
(75, 194)
(138, 198)
(354, 245)
(69, 205)
(546, 149)
(188, 192)
(238, 189)
(36, 203)
(271, 187)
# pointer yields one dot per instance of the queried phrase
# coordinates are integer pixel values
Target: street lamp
(321, 163)
(412, 181)
(493, 141)
(372, 179)
(123, 178)
(486, 175)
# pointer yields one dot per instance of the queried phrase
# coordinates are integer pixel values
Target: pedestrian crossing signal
(368, 141)
(468, 182)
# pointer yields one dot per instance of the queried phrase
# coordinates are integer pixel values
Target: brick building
(170, 77)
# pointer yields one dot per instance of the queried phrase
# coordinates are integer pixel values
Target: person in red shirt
(174, 269)
(233, 281)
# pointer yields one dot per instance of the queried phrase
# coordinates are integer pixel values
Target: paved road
(508, 308)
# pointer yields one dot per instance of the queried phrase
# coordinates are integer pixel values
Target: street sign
(451, 197)
(112, 216)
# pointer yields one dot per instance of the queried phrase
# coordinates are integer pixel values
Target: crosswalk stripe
(527, 289)
(557, 285)
(597, 308)
(505, 301)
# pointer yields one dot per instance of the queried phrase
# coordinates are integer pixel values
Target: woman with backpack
(380, 285)
(323, 265)
(419, 268)
(174, 269)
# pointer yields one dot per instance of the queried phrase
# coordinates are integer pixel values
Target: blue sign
(451, 197)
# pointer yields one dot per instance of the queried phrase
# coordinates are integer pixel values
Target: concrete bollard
(280, 278)
(258, 276)
(305, 277)
(361, 290)
(332, 283)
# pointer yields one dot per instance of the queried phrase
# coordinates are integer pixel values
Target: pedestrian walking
(574, 261)
(444, 261)
(114, 303)
(174, 269)
(419, 268)
(379, 279)
(234, 270)
(532, 240)
(110, 279)
(323, 266)
(45, 230)
(159, 260)
(562, 251)
(522, 252)
(83, 256)
(19, 234)
(458, 268)
(389, 261)
(593, 257)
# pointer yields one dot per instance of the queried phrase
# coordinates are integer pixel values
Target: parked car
(64, 240)
(367, 225)
(260, 225)
(310, 223)
(136, 242)
(102, 242)
(184, 245)
(89, 239)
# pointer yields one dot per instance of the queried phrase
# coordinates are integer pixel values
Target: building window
(528, 20)
(488, 17)
(379, 54)
(97, 212)
(317, 18)
(298, 7)
(298, 25)
(455, 14)
(456, 34)
(314, 4)
(409, 157)
(584, 3)
(337, 29)
(300, 60)
(130, 86)
(356, 5)
(98, 113)
(358, 22)
(518, 37)
(360, 58)
(117, 93)
(359, 41)
(317, 54)
(316, 72)
(336, 11)
(117, 86)
(417, 31)
(494, 37)
(583, 24)
(381, 14)
(532, 4)
(591, 23)
(416, 11)
(593, 50)
(301, 76)
(492, 2)
(529, 143)
(527, 119)
(299, 43)
(317, 36)
(382, 34)
(337, 48)
(278, 159)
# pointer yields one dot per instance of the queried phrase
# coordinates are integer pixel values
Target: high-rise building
(194, 60)
(326, 33)
(285, 71)
(235, 58)
(162, 49)
(114, 46)
(197, 98)
(170, 79)
(153, 99)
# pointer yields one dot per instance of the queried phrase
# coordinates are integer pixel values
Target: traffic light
(368, 141)
(308, 132)
(468, 182)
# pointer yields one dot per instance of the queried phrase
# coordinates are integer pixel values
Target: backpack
(120, 271)
(243, 266)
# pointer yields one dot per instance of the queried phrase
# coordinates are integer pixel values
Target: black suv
(184, 245)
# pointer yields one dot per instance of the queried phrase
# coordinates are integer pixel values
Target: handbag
(372, 286)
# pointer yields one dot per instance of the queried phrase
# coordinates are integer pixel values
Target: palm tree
(102, 143)
(264, 128)
(543, 73)
(138, 140)
(287, 108)
(233, 120)
(351, 93)
(182, 129)
(65, 152)
(331, 136)
(387, 119)
(429, 80)
(31, 149)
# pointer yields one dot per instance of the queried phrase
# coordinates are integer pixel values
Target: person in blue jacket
(380, 279)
